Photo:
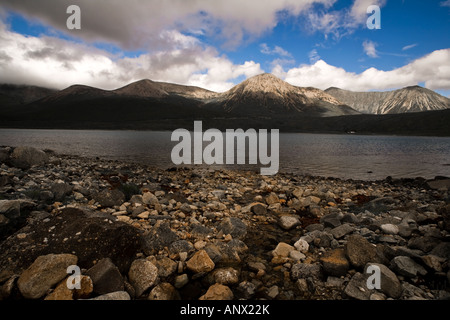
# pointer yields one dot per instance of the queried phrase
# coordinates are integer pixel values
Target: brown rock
(360, 251)
(45, 272)
(200, 262)
(142, 275)
(218, 292)
(164, 291)
(335, 263)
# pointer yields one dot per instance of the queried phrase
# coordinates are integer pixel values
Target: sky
(217, 44)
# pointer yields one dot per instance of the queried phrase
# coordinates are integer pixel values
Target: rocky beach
(143, 233)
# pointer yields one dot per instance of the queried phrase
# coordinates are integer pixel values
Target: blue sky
(217, 44)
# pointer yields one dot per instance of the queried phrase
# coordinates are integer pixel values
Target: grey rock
(110, 198)
(407, 267)
(331, 220)
(142, 275)
(233, 226)
(226, 276)
(119, 295)
(390, 228)
(288, 222)
(181, 246)
(45, 272)
(357, 287)
(342, 230)
(106, 277)
(160, 236)
(26, 157)
(259, 209)
(426, 244)
(303, 270)
(442, 250)
(389, 283)
(246, 290)
(61, 190)
(335, 263)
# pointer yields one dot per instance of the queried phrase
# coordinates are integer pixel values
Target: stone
(45, 272)
(166, 267)
(272, 198)
(357, 287)
(389, 283)
(164, 291)
(160, 236)
(60, 190)
(359, 251)
(119, 295)
(25, 157)
(298, 193)
(180, 246)
(200, 262)
(390, 228)
(109, 198)
(426, 244)
(288, 222)
(335, 263)
(246, 290)
(330, 220)
(226, 276)
(259, 209)
(142, 275)
(296, 255)
(407, 267)
(181, 280)
(13, 215)
(433, 262)
(282, 250)
(302, 246)
(218, 292)
(233, 226)
(86, 288)
(106, 277)
(342, 230)
(61, 292)
(273, 292)
(149, 199)
(304, 270)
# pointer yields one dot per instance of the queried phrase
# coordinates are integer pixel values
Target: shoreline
(216, 234)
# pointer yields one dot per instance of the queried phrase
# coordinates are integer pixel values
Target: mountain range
(261, 101)
(409, 99)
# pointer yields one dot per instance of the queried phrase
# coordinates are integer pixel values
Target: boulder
(335, 263)
(218, 292)
(26, 157)
(110, 198)
(200, 262)
(106, 277)
(407, 267)
(90, 236)
(359, 251)
(142, 275)
(45, 272)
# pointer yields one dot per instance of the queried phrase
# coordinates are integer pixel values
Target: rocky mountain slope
(266, 93)
(409, 99)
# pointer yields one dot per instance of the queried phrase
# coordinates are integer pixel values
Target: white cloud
(410, 46)
(370, 48)
(445, 3)
(432, 69)
(137, 24)
(58, 63)
(275, 51)
(313, 56)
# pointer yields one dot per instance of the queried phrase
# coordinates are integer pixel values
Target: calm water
(341, 156)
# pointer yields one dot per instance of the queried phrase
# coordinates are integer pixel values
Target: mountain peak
(142, 88)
